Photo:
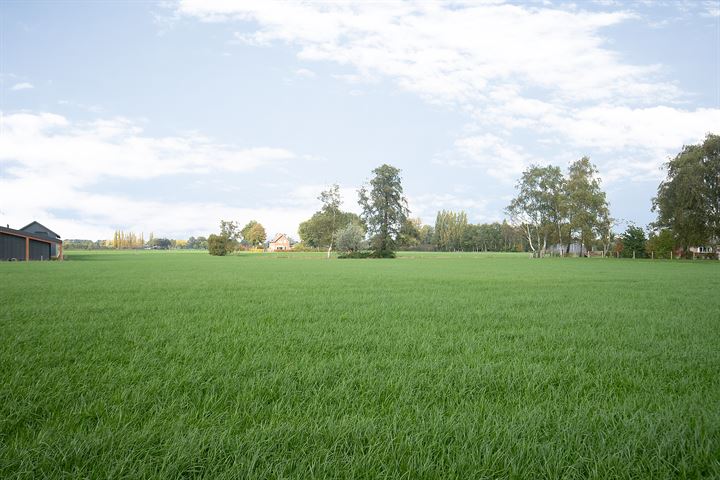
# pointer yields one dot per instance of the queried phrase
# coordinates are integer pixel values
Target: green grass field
(181, 365)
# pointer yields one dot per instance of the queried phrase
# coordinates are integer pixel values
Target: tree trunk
(560, 242)
(528, 233)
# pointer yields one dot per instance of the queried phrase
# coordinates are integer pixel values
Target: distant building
(32, 242)
(705, 252)
(576, 249)
(279, 243)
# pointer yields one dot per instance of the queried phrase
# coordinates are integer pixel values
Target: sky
(166, 117)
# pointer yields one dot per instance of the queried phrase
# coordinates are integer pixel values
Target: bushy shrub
(217, 245)
(661, 244)
(351, 238)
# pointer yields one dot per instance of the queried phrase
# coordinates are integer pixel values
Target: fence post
(652, 255)
(633, 254)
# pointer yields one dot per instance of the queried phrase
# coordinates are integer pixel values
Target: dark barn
(32, 242)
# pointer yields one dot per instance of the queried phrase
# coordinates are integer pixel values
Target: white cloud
(82, 153)
(450, 52)
(658, 128)
(305, 73)
(22, 86)
(493, 154)
(57, 160)
(95, 216)
(542, 73)
(711, 8)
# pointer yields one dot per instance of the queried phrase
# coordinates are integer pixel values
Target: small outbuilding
(32, 242)
(281, 242)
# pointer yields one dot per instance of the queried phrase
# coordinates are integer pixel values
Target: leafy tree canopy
(661, 243)
(633, 242)
(254, 233)
(688, 201)
(317, 231)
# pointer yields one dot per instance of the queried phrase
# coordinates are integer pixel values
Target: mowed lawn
(181, 365)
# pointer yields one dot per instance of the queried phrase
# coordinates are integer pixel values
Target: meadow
(182, 365)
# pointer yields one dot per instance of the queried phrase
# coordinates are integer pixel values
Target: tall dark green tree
(490, 237)
(633, 242)
(472, 238)
(688, 201)
(384, 208)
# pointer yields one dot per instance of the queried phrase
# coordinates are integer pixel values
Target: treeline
(233, 238)
(82, 244)
(128, 240)
(556, 211)
(382, 227)
(330, 227)
(452, 232)
(553, 212)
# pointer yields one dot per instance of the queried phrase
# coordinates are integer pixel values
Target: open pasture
(182, 365)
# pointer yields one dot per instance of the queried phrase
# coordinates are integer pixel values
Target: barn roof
(39, 225)
(36, 236)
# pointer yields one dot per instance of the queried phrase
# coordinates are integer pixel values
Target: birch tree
(588, 209)
(533, 209)
(331, 201)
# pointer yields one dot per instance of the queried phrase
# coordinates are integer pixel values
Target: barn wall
(11, 247)
(39, 250)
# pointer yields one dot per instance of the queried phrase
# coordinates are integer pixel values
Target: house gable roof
(278, 237)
